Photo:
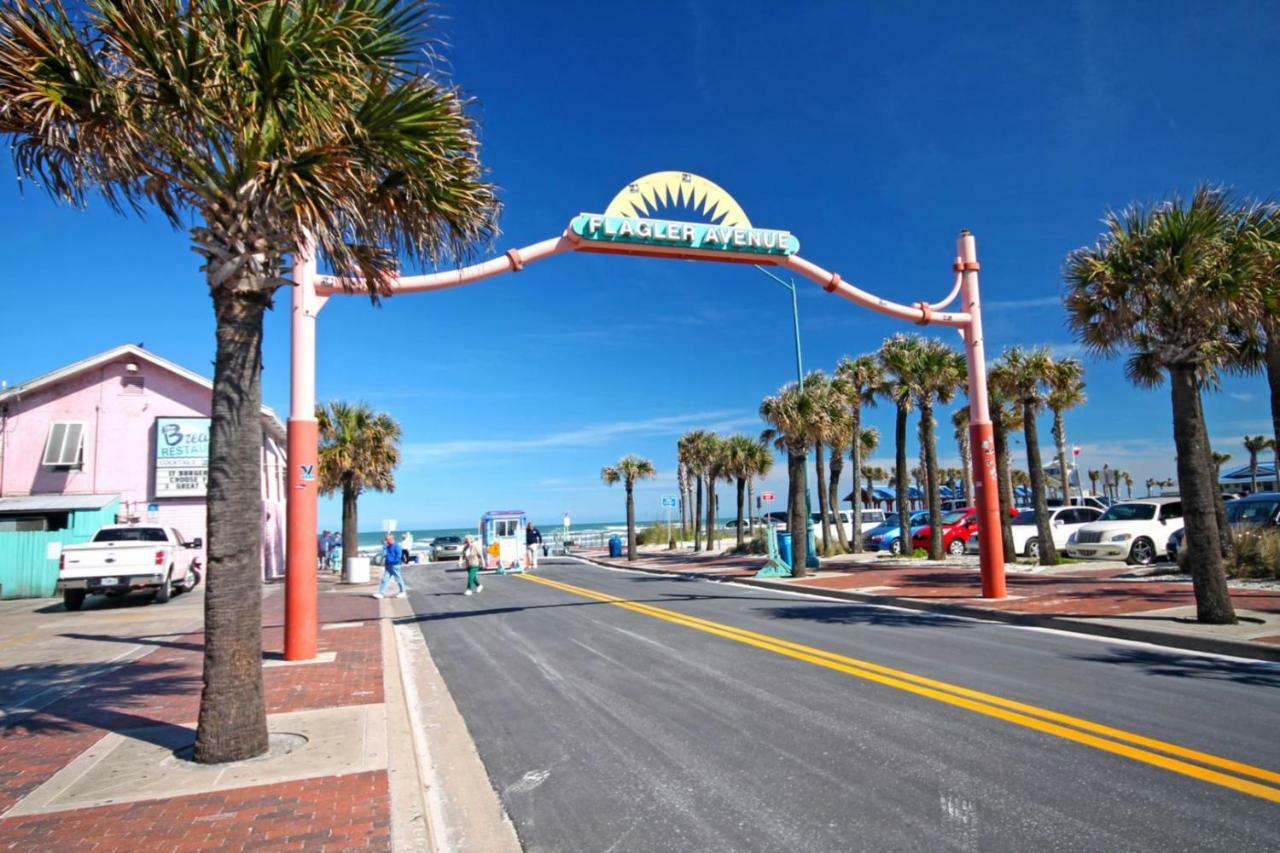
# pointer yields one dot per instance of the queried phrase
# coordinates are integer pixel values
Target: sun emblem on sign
(678, 195)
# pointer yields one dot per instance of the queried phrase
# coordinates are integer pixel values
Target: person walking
(532, 542)
(335, 552)
(406, 547)
(323, 544)
(472, 558)
(391, 556)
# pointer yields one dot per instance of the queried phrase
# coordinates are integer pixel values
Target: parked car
(1096, 501)
(1249, 513)
(870, 518)
(1128, 531)
(956, 527)
(446, 548)
(954, 506)
(1063, 521)
(887, 536)
(122, 557)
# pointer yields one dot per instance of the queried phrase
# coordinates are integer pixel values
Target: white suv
(1128, 531)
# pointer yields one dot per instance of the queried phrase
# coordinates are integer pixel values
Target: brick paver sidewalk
(162, 688)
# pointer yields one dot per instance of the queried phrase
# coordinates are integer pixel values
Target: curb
(1210, 645)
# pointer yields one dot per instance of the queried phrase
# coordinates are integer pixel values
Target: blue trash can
(811, 554)
(615, 545)
(784, 547)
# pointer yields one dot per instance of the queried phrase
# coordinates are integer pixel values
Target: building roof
(271, 419)
(1266, 471)
(55, 503)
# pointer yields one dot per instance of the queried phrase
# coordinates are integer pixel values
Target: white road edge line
(1062, 632)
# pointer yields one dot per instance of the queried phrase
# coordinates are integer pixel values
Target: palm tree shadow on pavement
(1174, 665)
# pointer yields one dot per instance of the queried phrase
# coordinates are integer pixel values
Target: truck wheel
(165, 592)
(191, 581)
(73, 599)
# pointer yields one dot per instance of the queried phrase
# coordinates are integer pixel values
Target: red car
(956, 528)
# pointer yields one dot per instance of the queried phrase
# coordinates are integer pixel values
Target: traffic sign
(766, 496)
(670, 502)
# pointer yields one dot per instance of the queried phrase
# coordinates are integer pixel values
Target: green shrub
(655, 534)
(1255, 554)
(919, 553)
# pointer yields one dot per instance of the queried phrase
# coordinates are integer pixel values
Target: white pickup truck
(122, 557)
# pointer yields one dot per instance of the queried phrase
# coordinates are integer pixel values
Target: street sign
(766, 496)
(389, 525)
(670, 502)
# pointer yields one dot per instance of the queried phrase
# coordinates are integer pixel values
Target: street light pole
(795, 319)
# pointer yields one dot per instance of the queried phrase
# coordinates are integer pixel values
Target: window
(1027, 516)
(131, 534)
(1130, 512)
(1173, 510)
(506, 527)
(65, 445)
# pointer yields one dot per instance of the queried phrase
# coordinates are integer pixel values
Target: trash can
(615, 545)
(811, 554)
(357, 570)
(784, 547)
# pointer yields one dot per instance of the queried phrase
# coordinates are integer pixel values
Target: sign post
(669, 503)
(774, 568)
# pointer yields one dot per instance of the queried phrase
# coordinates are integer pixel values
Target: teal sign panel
(599, 228)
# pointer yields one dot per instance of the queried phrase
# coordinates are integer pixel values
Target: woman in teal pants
(473, 558)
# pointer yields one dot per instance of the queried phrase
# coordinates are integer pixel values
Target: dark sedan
(1247, 513)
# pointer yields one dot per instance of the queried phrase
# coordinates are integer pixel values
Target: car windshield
(131, 534)
(1254, 513)
(448, 540)
(1130, 512)
(953, 517)
(1027, 516)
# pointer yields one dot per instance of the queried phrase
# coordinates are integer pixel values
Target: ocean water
(373, 538)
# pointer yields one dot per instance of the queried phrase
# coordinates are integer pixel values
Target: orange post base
(987, 502)
(300, 626)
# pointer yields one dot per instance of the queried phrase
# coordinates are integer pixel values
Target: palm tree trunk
(682, 476)
(631, 521)
(751, 504)
(1060, 439)
(1272, 354)
(233, 717)
(1195, 481)
(797, 519)
(934, 496)
(1035, 469)
(1219, 501)
(1253, 472)
(1004, 486)
(697, 514)
(966, 466)
(833, 496)
(350, 524)
(855, 459)
(742, 489)
(711, 513)
(820, 467)
(904, 509)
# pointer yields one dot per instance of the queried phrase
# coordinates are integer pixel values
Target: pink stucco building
(120, 429)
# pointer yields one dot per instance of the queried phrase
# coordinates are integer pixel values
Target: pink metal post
(981, 438)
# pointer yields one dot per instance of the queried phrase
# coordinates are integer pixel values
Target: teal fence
(26, 571)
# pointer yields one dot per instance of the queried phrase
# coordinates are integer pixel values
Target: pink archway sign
(730, 241)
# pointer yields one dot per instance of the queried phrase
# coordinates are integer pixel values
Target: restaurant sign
(182, 457)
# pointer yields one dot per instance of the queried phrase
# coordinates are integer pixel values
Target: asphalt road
(630, 728)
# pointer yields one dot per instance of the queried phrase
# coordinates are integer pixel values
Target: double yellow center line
(1247, 779)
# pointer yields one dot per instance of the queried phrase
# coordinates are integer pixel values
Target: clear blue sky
(874, 136)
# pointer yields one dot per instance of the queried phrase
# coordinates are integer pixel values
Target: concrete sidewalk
(98, 760)
(1110, 601)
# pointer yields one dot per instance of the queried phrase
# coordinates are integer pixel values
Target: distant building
(121, 436)
(1238, 480)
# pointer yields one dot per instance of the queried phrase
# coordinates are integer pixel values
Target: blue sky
(873, 135)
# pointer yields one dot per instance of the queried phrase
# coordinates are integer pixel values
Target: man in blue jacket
(391, 557)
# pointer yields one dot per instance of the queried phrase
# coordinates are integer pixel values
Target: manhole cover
(278, 744)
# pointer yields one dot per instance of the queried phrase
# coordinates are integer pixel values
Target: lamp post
(795, 321)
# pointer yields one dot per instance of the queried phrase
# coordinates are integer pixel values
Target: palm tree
(1066, 391)
(791, 414)
(1030, 372)
(1260, 230)
(1128, 484)
(628, 470)
(359, 450)
(739, 461)
(939, 373)
(830, 420)
(1170, 285)
(960, 422)
(694, 448)
(715, 470)
(1020, 478)
(264, 126)
(897, 361)
(1094, 474)
(872, 473)
(860, 379)
(761, 465)
(1005, 415)
(835, 457)
(682, 486)
(1255, 444)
